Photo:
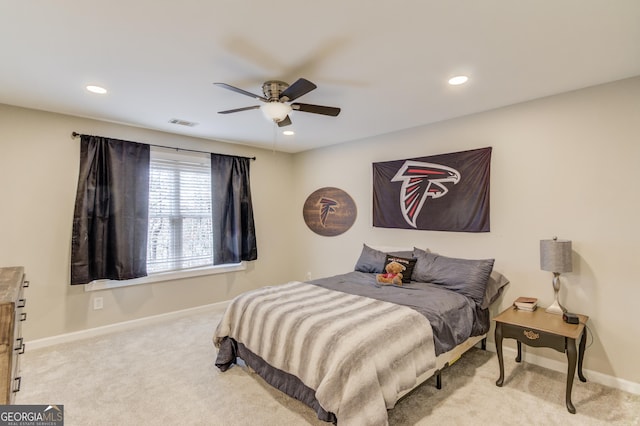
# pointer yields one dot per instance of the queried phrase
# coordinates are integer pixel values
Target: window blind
(180, 229)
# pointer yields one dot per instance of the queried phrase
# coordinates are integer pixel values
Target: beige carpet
(164, 374)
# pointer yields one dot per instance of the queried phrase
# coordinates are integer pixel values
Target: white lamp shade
(275, 111)
(555, 255)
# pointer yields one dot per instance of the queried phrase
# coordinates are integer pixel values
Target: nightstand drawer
(533, 337)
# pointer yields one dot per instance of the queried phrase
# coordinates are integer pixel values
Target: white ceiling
(385, 63)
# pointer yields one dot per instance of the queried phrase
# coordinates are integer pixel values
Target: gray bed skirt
(281, 380)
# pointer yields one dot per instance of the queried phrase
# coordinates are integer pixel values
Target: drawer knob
(531, 335)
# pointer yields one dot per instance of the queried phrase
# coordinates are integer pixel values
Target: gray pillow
(495, 287)
(465, 276)
(370, 260)
(421, 269)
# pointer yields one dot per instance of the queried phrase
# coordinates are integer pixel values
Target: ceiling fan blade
(316, 109)
(229, 111)
(297, 89)
(285, 122)
(242, 92)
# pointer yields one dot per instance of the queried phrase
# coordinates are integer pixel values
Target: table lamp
(555, 256)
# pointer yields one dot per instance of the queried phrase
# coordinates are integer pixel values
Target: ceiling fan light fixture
(275, 111)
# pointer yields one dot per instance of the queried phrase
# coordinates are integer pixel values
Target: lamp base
(556, 308)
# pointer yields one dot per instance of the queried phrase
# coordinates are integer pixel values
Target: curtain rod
(76, 134)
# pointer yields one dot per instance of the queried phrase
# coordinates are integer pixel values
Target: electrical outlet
(308, 276)
(98, 303)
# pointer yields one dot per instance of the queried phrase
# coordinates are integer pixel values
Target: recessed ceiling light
(288, 133)
(458, 80)
(96, 89)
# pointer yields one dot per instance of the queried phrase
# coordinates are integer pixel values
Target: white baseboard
(121, 326)
(593, 376)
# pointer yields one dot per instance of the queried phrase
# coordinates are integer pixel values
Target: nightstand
(542, 329)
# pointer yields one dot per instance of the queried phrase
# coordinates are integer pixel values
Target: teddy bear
(393, 275)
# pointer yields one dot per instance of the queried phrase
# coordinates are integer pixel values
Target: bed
(348, 346)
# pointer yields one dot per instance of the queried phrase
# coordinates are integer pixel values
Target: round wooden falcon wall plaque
(329, 211)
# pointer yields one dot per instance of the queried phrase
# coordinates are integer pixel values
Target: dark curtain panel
(109, 238)
(234, 234)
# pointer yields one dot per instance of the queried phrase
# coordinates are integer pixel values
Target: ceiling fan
(277, 95)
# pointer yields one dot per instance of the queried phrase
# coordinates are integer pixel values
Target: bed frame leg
(484, 344)
(439, 380)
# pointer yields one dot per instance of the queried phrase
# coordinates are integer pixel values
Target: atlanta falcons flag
(447, 192)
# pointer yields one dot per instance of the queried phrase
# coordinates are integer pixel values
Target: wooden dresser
(12, 303)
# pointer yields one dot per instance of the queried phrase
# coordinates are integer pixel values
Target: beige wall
(567, 165)
(38, 179)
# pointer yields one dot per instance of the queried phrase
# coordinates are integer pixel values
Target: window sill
(165, 276)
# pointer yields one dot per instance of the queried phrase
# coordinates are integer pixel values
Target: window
(180, 229)
(197, 217)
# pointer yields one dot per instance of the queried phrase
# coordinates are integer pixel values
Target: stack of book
(526, 303)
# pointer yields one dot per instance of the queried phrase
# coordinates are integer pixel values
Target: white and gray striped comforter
(357, 353)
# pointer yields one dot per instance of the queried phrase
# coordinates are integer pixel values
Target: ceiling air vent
(182, 122)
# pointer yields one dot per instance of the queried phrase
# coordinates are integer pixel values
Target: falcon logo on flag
(327, 205)
(419, 182)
